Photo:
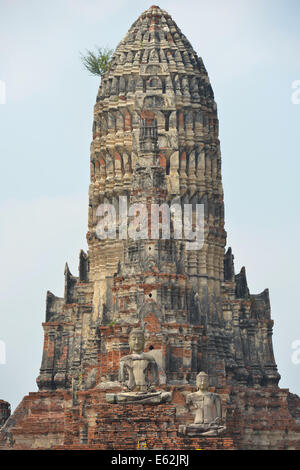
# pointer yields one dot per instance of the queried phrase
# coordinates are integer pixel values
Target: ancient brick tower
(155, 140)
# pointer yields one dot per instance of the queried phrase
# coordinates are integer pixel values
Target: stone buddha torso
(207, 407)
(142, 372)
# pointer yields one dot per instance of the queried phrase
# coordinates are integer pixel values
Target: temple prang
(156, 141)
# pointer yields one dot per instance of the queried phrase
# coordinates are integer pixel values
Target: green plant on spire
(98, 62)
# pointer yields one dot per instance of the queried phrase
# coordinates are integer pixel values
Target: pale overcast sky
(251, 49)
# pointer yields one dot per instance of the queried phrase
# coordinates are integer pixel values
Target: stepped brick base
(256, 419)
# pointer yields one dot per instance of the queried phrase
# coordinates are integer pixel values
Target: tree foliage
(97, 63)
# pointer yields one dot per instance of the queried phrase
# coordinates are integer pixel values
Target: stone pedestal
(198, 430)
(140, 398)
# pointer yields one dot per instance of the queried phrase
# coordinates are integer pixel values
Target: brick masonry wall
(255, 419)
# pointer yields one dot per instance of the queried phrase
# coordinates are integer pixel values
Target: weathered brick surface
(255, 419)
(155, 140)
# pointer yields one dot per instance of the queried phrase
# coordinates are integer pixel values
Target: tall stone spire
(157, 83)
(155, 144)
(155, 141)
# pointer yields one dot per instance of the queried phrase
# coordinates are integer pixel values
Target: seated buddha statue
(138, 375)
(208, 410)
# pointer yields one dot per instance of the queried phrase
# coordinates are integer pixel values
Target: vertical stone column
(4, 412)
